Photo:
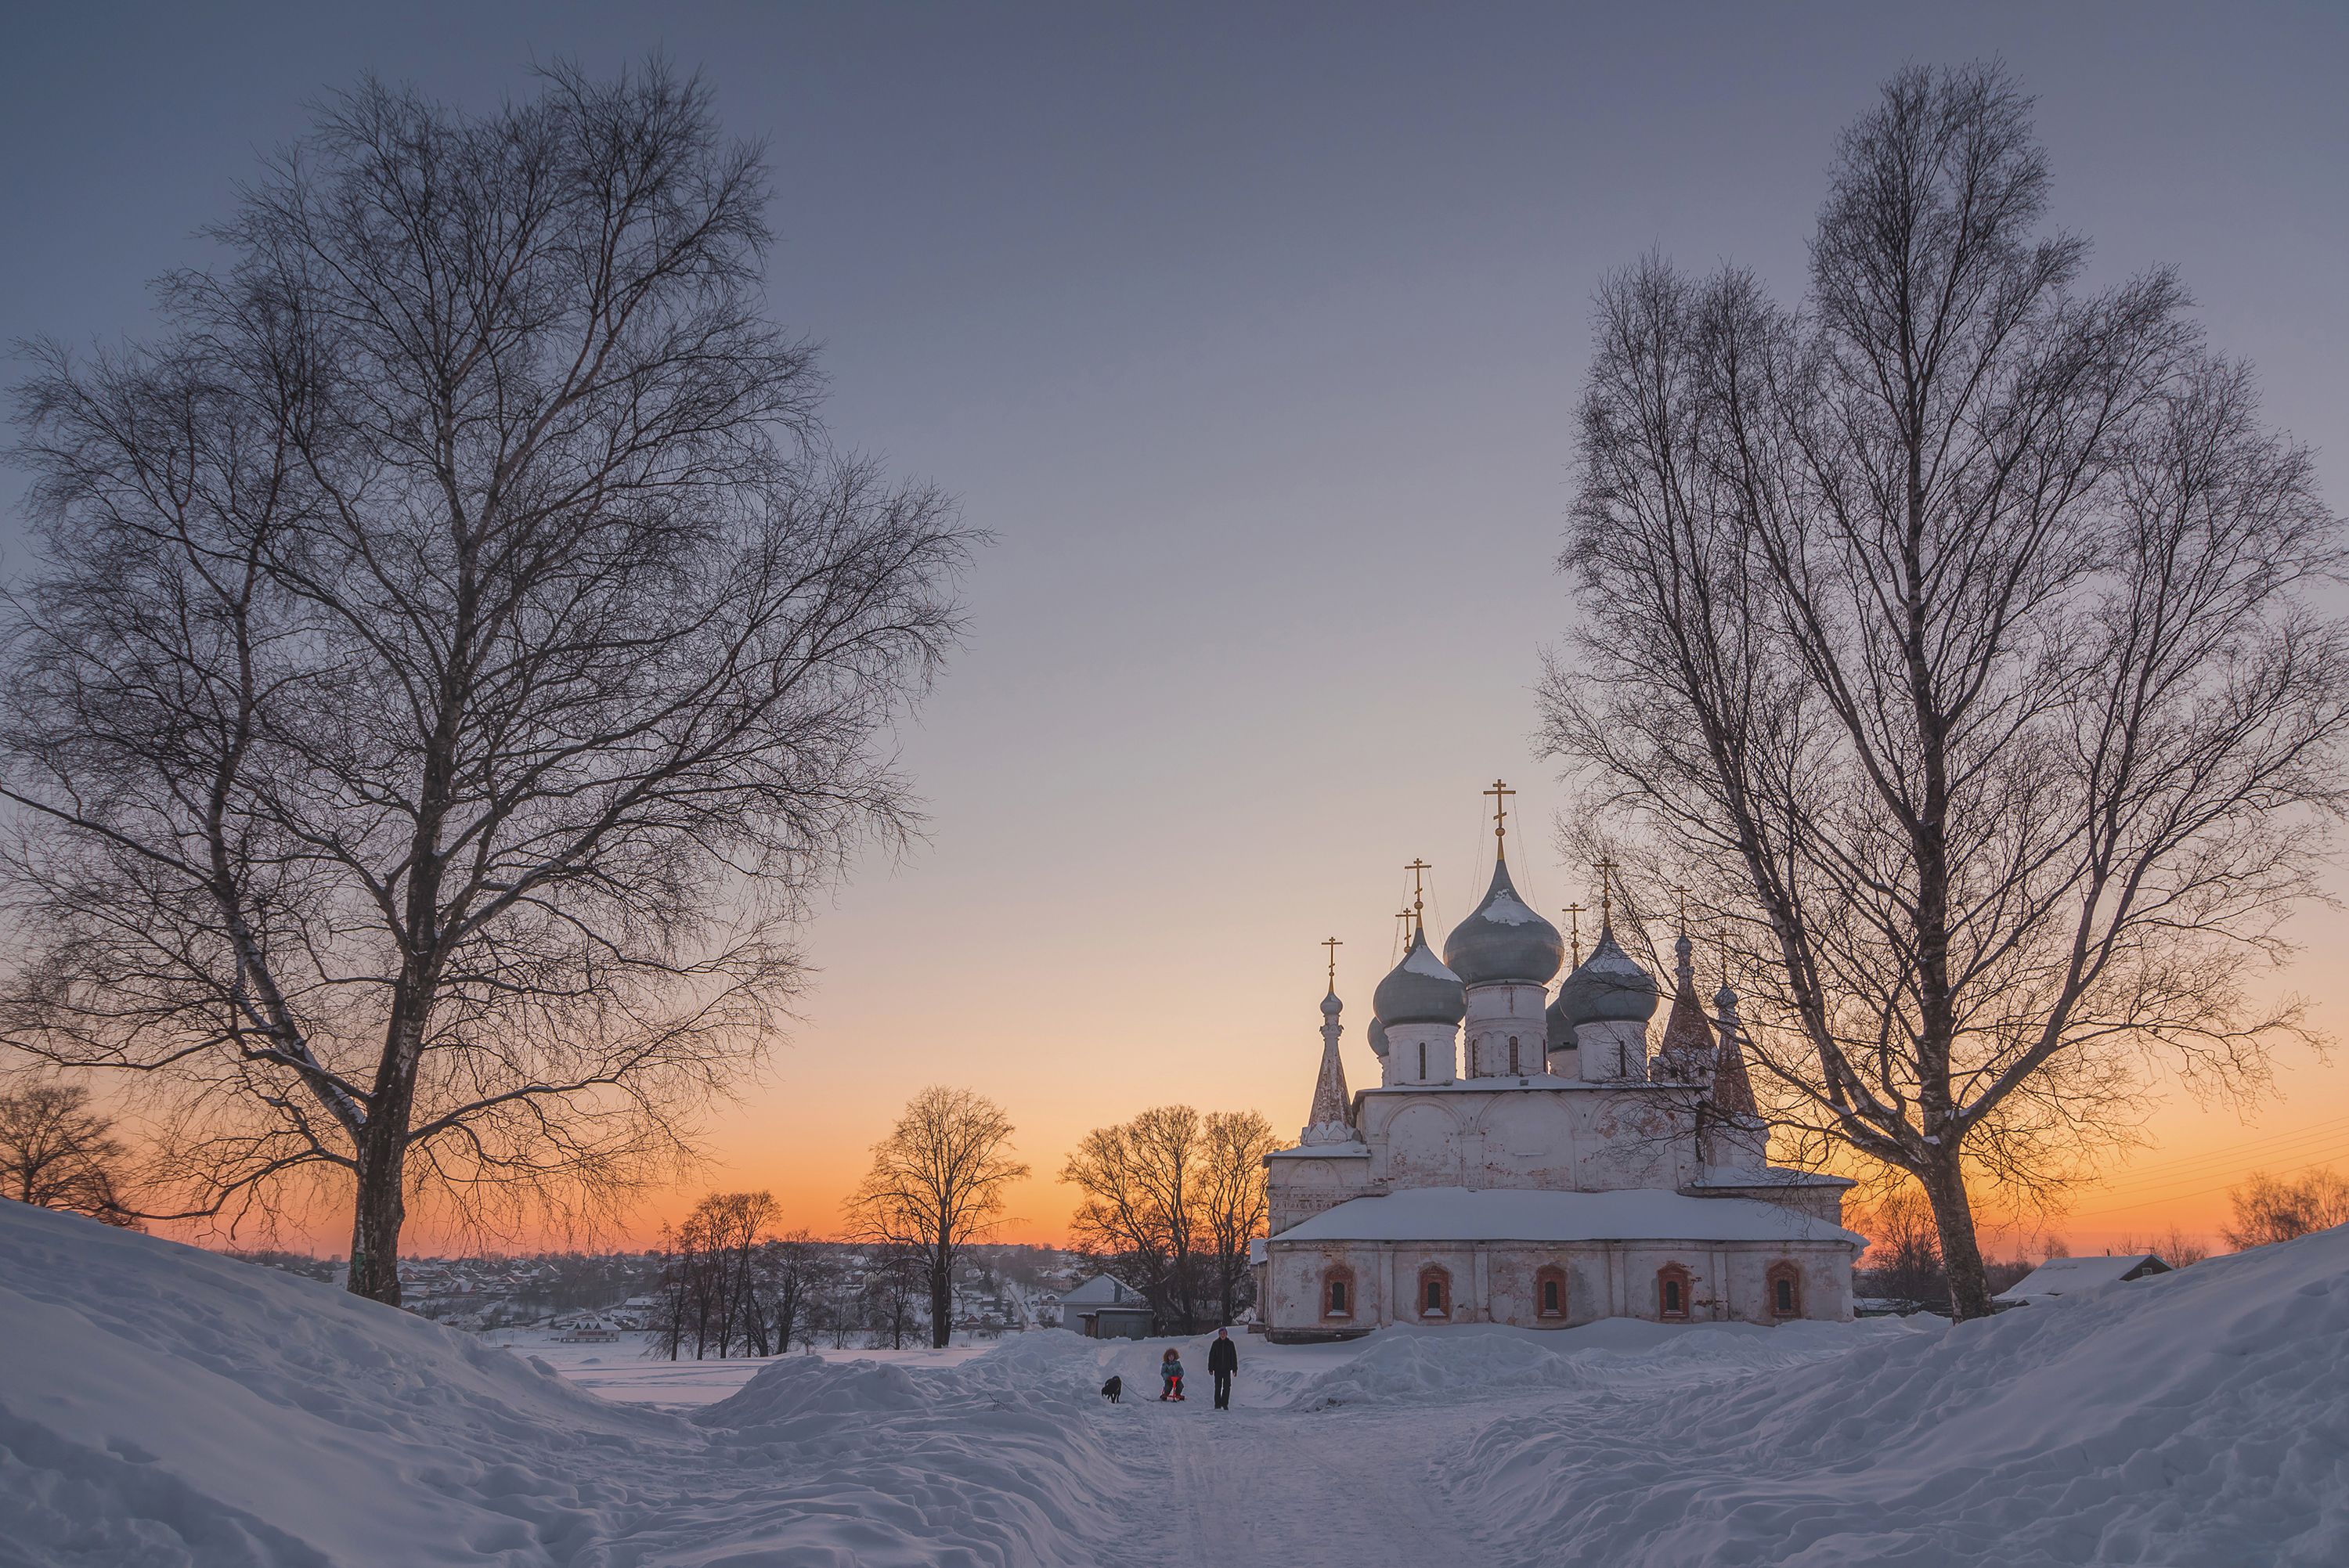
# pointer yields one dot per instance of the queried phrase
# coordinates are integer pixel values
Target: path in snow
(1270, 1487)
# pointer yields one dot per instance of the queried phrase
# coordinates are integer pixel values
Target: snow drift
(2197, 1418)
(1407, 1364)
(163, 1406)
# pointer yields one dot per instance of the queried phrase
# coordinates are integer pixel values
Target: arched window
(1785, 1288)
(1422, 1059)
(1514, 1067)
(1549, 1292)
(1434, 1292)
(1672, 1292)
(1338, 1292)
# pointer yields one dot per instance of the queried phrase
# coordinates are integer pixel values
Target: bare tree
(57, 1153)
(936, 1185)
(2176, 1246)
(2268, 1210)
(1949, 632)
(1904, 1248)
(453, 659)
(792, 1274)
(1145, 1183)
(1234, 1198)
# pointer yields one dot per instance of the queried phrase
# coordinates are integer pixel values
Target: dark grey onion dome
(1378, 1039)
(1609, 988)
(1560, 1029)
(1419, 990)
(1329, 1005)
(1504, 939)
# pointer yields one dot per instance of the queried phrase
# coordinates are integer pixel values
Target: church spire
(1331, 1121)
(1686, 1053)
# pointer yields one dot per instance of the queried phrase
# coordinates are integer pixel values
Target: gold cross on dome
(1333, 944)
(1573, 912)
(1500, 793)
(1605, 891)
(1683, 892)
(1418, 869)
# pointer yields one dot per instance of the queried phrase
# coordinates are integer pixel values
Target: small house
(2069, 1277)
(1105, 1308)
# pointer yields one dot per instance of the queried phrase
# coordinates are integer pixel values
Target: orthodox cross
(1333, 944)
(1683, 892)
(1404, 915)
(1418, 869)
(1573, 912)
(1500, 793)
(1606, 892)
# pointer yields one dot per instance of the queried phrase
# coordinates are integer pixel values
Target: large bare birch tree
(1953, 631)
(453, 658)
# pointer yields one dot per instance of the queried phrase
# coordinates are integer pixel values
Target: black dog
(1112, 1388)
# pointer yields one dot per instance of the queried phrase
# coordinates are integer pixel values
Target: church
(1536, 1159)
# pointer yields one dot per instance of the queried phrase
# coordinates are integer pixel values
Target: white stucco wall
(1496, 1281)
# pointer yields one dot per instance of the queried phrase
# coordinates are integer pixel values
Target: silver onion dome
(1419, 989)
(1608, 987)
(1504, 939)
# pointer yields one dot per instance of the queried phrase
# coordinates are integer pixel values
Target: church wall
(1299, 1187)
(1544, 1139)
(1498, 1282)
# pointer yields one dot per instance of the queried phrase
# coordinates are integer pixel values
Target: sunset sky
(1254, 340)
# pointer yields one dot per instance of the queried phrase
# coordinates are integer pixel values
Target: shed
(2069, 1277)
(1106, 1308)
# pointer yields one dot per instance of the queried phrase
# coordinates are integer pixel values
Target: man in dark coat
(1223, 1360)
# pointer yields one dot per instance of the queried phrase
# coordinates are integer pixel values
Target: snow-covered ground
(162, 1405)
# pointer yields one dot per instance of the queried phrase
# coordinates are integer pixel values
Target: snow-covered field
(162, 1405)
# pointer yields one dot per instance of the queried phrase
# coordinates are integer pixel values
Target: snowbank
(1406, 1364)
(2198, 1418)
(163, 1406)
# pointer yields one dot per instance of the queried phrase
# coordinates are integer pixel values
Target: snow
(2065, 1276)
(162, 1405)
(1503, 908)
(2196, 1418)
(1458, 1215)
(1421, 960)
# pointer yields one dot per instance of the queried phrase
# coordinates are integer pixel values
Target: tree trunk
(379, 1210)
(941, 1300)
(1945, 1188)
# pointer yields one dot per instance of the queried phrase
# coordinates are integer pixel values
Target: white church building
(1536, 1160)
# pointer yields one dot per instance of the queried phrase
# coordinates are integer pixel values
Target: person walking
(1223, 1360)
(1170, 1368)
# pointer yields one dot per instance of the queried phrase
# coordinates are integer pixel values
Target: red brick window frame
(1672, 1294)
(1435, 1299)
(1549, 1291)
(1783, 1283)
(1338, 1299)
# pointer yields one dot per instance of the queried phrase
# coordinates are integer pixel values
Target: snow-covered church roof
(1458, 1215)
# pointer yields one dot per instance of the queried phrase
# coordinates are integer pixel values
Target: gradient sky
(1253, 334)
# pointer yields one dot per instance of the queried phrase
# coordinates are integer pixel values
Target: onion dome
(1609, 988)
(1504, 939)
(1560, 1030)
(1378, 1039)
(1419, 990)
(1331, 1005)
